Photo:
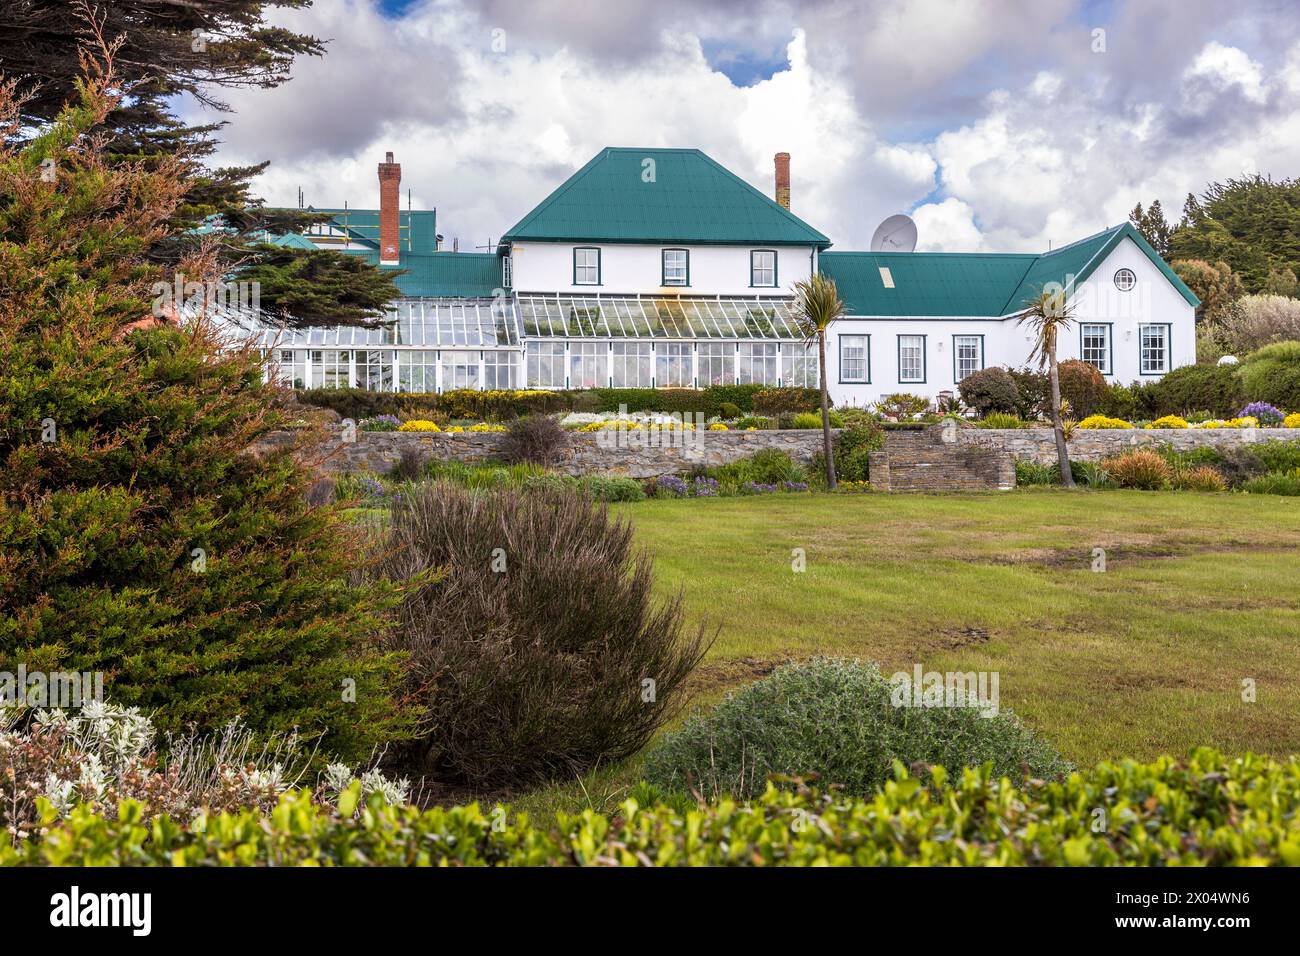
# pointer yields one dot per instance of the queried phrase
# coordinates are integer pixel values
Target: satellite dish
(895, 234)
(1228, 360)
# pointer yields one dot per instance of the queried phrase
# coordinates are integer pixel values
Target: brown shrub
(1140, 468)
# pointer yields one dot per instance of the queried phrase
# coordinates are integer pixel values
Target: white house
(660, 268)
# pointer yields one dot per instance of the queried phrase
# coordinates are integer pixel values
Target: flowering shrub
(1101, 421)
(419, 425)
(703, 487)
(1292, 420)
(381, 423)
(1169, 421)
(487, 427)
(719, 427)
(768, 488)
(103, 754)
(1247, 422)
(1267, 415)
(850, 487)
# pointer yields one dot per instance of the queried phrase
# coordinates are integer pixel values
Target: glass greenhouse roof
(570, 316)
(422, 323)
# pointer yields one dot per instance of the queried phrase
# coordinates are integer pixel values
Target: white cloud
(1218, 68)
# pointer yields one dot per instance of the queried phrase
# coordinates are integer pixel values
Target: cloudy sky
(999, 125)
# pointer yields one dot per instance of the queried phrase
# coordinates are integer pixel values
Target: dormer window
(676, 267)
(586, 266)
(762, 269)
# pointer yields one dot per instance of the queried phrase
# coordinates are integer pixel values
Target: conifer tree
(138, 537)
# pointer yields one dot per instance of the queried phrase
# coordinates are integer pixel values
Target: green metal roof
(442, 273)
(972, 284)
(417, 229)
(691, 199)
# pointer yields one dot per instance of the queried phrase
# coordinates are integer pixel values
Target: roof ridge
(758, 192)
(559, 191)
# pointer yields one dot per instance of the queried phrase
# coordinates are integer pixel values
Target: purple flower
(1266, 413)
(668, 486)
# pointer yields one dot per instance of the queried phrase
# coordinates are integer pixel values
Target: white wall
(632, 269)
(1153, 299)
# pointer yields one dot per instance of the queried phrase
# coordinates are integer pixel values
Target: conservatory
(551, 341)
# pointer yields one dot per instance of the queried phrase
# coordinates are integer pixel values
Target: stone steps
(924, 461)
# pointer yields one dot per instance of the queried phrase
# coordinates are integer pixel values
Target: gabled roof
(690, 199)
(973, 284)
(442, 273)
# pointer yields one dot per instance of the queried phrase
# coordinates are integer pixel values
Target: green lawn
(1199, 592)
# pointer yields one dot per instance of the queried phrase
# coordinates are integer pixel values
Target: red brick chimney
(783, 179)
(390, 179)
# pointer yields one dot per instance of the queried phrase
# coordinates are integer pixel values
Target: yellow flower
(1169, 421)
(1101, 421)
(419, 425)
(1292, 420)
(718, 427)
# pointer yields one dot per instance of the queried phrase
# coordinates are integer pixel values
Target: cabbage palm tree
(816, 305)
(1048, 314)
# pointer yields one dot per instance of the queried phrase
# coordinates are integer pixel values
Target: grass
(1199, 594)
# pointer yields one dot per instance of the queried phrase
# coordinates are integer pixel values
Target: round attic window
(1125, 280)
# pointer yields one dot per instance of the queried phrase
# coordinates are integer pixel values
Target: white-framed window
(762, 269)
(507, 272)
(417, 370)
(1094, 346)
(911, 359)
(331, 368)
(631, 364)
(1154, 345)
(717, 363)
(757, 363)
(673, 365)
(799, 368)
(291, 368)
(586, 266)
(588, 365)
(855, 358)
(500, 369)
(460, 370)
(1125, 280)
(968, 355)
(374, 369)
(546, 365)
(676, 267)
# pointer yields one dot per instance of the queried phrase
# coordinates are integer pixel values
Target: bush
(1292, 420)
(774, 402)
(755, 421)
(536, 439)
(1207, 810)
(531, 631)
(1035, 390)
(1140, 468)
(1267, 415)
(1001, 420)
(990, 390)
(1214, 388)
(612, 489)
(1169, 421)
(853, 447)
(139, 538)
(814, 420)
(729, 411)
(1032, 473)
(1272, 375)
(1274, 483)
(1082, 386)
(902, 406)
(1093, 422)
(1200, 478)
(1276, 455)
(834, 718)
(770, 466)
(1258, 320)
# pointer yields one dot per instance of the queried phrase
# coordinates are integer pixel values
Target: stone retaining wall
(1037, 444)
(590, 453)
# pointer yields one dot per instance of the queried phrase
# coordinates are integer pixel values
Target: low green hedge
(1206, 810)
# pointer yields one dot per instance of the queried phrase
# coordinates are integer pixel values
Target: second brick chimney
(783, 179)
(390, 180)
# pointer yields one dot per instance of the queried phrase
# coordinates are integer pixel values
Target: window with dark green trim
(675, 267)
(855, 359)
(762, 268)
(586, 265)
(1153, 345)
(1094, 345)
(911, 359)
(967, 355)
